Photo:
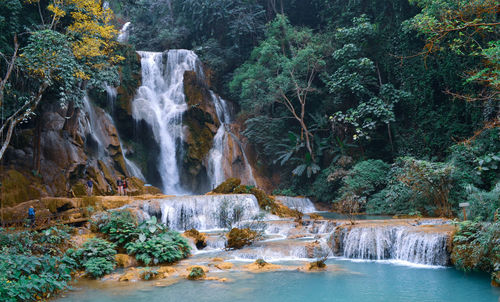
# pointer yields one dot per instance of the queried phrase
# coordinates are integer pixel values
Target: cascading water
(160, 102)
(216, 159)
(94, 128)
(123, 35)
(302, 204)
(203, 212)
(395, 243)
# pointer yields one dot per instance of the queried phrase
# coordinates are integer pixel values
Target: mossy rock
(79, 190)
(238, 238)
(197, 272)
(227, 186)
(317, 265)
(200, 239)
(17, 188)
(242, 189)
(270, 204)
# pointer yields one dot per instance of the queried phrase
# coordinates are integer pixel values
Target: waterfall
(112, 93)
(203, 212)
(217, 157)
(160, 102)
(215, 169)
(94, 128)
(302, 204)
(395, 243)
(123, 35)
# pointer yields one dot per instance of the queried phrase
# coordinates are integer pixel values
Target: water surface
(354, 281)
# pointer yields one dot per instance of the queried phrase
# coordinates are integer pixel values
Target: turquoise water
(333, 215)
(355, 281)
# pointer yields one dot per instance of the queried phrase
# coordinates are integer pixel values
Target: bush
(156, 244)
(96, 256)
(196, 273)
(365, 178)
(484, 205)
(120, 227)
(149, 274)
(31, 278)
(164, 248)
(477, 247)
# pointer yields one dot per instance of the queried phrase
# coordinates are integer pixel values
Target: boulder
(124, 260)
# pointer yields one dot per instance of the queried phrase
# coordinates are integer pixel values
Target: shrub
(157, 249)
(365, 178)
(484, 205)
(477, 247)
(30, 278)
(120, 227)
(149, 274)
(96, 256)
(196, 273)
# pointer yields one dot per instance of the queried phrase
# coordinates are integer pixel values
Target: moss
(17, 188)
(201, 137)
(242, 189)
(227, 186)
(79, 190)
(317, 265)
(149, 274)
(238, 238)
(196, 273)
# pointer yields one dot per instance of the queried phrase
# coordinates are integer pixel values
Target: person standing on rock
(119, 184)
(90, 185)
(125, 186)
(31, 216)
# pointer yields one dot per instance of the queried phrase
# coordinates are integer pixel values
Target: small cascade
(219, 167)
(160, 102)
(395, 243)
(94, 129)
(124, 33)
(112, 93)
(302, 204)
(203, 212)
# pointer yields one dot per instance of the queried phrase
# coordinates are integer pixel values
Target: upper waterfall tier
(160, 102)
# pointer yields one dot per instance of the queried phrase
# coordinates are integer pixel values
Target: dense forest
(377, 106)
(381, 106)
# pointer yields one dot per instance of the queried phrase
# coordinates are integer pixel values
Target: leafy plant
(120, 227)
(96, 256)
(477, 246)
(167, 247)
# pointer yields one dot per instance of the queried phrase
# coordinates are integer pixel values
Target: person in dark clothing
(31, 216)
(90, 185)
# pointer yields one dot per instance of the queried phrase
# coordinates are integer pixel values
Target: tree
(65, 56)
(283, 70)
(356, 84)
(468, 28)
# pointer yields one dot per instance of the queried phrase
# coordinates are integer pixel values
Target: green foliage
(149, 274)
(31, 264)
(196, 273)
(120, 226)
(156, 244)
(27, 277)
(415, 185)
(477, 246)
(96, 256)
(365, 179)
(484, 205)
